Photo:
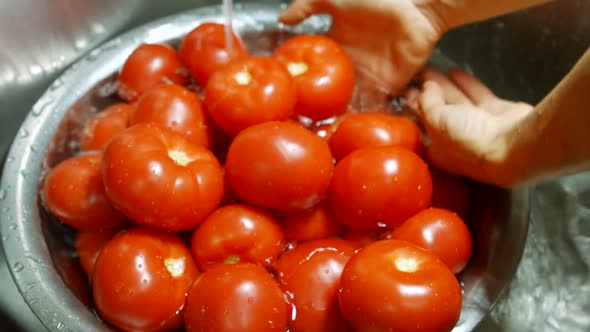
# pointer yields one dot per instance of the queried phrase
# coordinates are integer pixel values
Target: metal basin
(39, 249)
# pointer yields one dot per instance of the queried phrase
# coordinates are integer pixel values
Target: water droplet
(93, 55)
(250, 300)
(23, 133)
(18, 266)
(34, 259)
(5, 238)
(12, 226)
(58, 83)
(10, 159)
(2, 194)
(24, 173)
(60, 325)
(41, 106)
(31, 285)
(33, 148)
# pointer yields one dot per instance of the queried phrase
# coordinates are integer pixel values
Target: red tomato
(361, 238)
(440, 232)
(325, 129)
(323, 73)
(237, 233)
(236, 297)
(451, 193)
(99, 130)
(380, 187)
(318, 223)
(363, 130)
(90, 244)
(147, 66)
(176, 108)
(249, 91)
(393, 285)
(204, 50)
(279, 166)
(310, 276)
(159, 179)
(74, 193)
(141, 280)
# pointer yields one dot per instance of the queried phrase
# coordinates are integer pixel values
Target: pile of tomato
(233, 192)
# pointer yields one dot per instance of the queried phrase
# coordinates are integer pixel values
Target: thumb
(431, 105)
(299, 10)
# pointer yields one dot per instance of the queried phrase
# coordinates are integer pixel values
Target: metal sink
(520, 57)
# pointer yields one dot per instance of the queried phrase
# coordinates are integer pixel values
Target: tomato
(279, 166)
(176, 108)
(323, 72)
(90, 244)
(325, 129)
(361, 238)
(440, 232)
(249, 91)
(380, 187)
(74, 193)
(159, 179)
(147, 66)
(204, 51)
(451, 193)
(362, 130)
(393, 285)
(318, 223)
(141, 280)
(237, 233)
(236, 297)
(99, 130)
(310, 276)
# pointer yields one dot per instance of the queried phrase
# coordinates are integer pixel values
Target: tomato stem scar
(179, 157)
(232, 259)
(243, 78)
(406, 264)
(175, 266)
(297, 68)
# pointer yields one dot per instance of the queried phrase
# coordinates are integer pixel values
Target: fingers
(452, 94)
(470, 86)
(432, 103)
(299, 10)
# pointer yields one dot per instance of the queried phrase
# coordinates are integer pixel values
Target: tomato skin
(325, 88)
(141, 280)
(310, 275)
(380, 187)
(237, 233)
(361, 238)
(147, 66)
(74, 193)
(204, 51)
(363, 130)
(99, 130)
(325, 129)
(451, 193)
(176, 108)
(279, 166)
(236, 297)
(440, 232)
(144, 181)
(318, 223)
(249, 91)
(90, 244)
(413, 290)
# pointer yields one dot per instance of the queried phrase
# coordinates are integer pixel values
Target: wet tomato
(323, 72)
(380, 187)
(74, 193)
(147, 66)
(250, 91)
(310, 276)
(440, 232)
(363, 130)
(141, 280)
(176, 108)
(204, 50)
(99, 130)
(280, 166)
(361, 238)
(90, 244)
(237, 233)
(159, 179)
(325, 129)
(393, 285)
(236, 297)
(318, 223)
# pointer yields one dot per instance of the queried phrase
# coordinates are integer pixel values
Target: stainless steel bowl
(38, 248)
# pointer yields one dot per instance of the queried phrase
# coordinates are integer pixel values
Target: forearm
(454, 13)
(555, 138)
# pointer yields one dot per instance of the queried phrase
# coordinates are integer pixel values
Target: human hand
(388, 40)
(473, 132)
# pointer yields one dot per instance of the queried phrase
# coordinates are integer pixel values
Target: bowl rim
(25, 247)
